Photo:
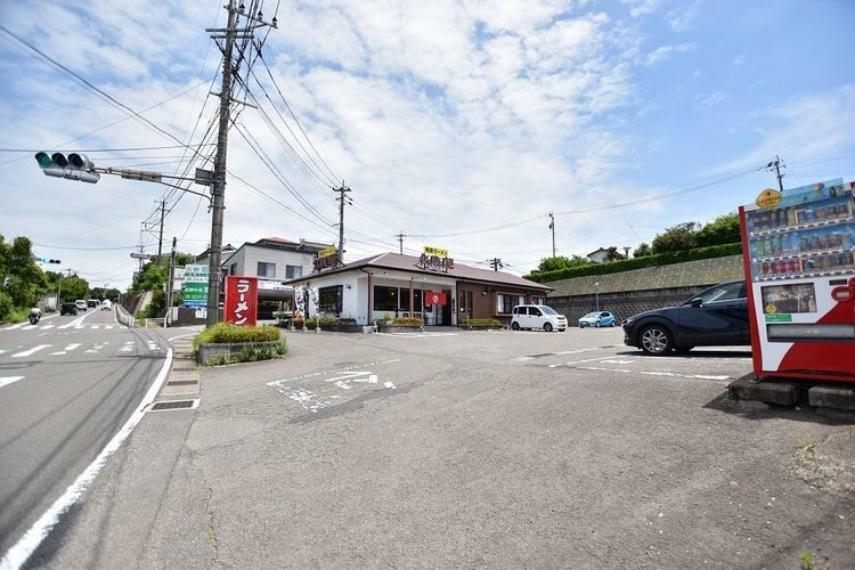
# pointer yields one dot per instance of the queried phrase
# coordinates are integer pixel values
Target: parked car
(717, 316)
(81, 305)
(597, 319)
(107, 305)
(537, 317)
(68, 309)
(92, 303)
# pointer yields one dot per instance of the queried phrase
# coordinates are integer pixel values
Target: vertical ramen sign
(241, 307)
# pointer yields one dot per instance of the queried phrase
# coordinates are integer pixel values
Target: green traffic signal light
(43, 159)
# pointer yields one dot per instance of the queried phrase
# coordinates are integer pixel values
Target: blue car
(597, 319)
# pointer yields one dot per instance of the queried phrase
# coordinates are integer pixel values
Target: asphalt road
(472, 449)
(66, 386)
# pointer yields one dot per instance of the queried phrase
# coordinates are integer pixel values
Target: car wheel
(611, 324)
(515, 325)
(597, 325)
(655, 339)
(547, 327)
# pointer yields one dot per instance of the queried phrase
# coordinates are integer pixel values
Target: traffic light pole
(218, 188)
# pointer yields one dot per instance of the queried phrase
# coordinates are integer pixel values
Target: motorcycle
(35, 317)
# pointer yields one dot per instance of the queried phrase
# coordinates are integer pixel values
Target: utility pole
(160, 235)
(218, 188)
(552, 227)
(776, 166)
(495, 263)
(342, 191)
(401, 235)
(169, 285)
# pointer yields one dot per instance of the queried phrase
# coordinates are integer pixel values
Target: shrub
(227, 333)
(480, 323)
(407, 322)
(654, 260)
(250, 354)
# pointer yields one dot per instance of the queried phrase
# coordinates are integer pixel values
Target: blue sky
(444, 118)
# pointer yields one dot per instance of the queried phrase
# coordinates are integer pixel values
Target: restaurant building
(431, 287)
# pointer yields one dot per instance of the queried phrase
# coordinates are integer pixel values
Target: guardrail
(124, 317)
(156, 322)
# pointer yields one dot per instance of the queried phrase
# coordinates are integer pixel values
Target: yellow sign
(436, 251)
(768, 199)
(327, 252)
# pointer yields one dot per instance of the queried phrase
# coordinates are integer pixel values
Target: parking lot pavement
(466, 449)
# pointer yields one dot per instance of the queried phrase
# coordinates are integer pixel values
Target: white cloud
(740, 59)
(683, 18)
(711, 99)
(640, 8)
(662, 53)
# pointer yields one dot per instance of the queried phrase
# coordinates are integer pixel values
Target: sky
(460, 124)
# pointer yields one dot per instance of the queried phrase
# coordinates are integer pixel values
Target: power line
(75, 248)
(96, 150)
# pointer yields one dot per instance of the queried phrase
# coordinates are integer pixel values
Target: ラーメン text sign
(435, 251)
(241, 306)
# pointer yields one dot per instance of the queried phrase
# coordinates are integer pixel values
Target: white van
(538, 317)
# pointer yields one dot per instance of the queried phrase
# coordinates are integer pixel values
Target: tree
(642, 250)
(612, 254)
(723, 230)
(681, 237)
(74, 287)
(561, 262)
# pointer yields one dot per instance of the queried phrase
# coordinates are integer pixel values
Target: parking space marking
(417, 335)
(671, 375)
(6, 380)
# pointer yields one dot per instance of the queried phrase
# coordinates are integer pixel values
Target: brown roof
(400, 262)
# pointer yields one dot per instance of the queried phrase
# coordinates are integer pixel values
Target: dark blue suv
(717, 316)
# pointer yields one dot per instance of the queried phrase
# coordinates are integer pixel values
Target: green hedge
(637, 263)
(226, 333)
(480, 323)
(407, 322)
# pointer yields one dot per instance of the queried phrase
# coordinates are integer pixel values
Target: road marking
(674, 375)
(2, 350)
(17, 556)
(31, 351)
(5, 381)
(29, 327)
(109, 327)
(46, 327)
(95, 327)
(14, 327)
(72, 346)
(416, 335)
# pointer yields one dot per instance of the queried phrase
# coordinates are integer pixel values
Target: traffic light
(47, 260)
(74, 167)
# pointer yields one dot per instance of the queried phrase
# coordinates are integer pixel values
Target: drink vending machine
(799, 260)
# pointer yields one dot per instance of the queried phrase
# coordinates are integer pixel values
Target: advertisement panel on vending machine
(799, 261)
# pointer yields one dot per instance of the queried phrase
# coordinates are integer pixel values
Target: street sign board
(196, 273)
(195, 295)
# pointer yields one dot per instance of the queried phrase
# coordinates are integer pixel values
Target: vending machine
(799, 260)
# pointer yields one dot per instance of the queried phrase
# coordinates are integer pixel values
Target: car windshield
(591, 316)
(547, 310)
(725, 292)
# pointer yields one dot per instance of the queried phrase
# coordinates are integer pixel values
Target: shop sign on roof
(432, 251)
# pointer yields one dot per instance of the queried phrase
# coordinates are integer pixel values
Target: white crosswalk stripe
(29, 327)
(14, 327)
(6, 380)
(30, 351)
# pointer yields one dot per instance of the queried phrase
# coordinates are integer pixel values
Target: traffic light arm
(147, 176)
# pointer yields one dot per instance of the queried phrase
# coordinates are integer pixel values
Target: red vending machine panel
(799, 258)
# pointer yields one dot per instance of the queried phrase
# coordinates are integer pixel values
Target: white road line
(2, 350)
(95, 327)
(46, 327)
(72, 346)
(13, 327)
(58, 353)
(5, 381)
(674, 375)
(29, 327)
(31, 351)
(109, 327)
(16, 556)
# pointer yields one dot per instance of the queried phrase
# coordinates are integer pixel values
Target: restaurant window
(404, 299)
(506, 303)
(385, 298)
(266, 269)
(329, 299)
(293, 272)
